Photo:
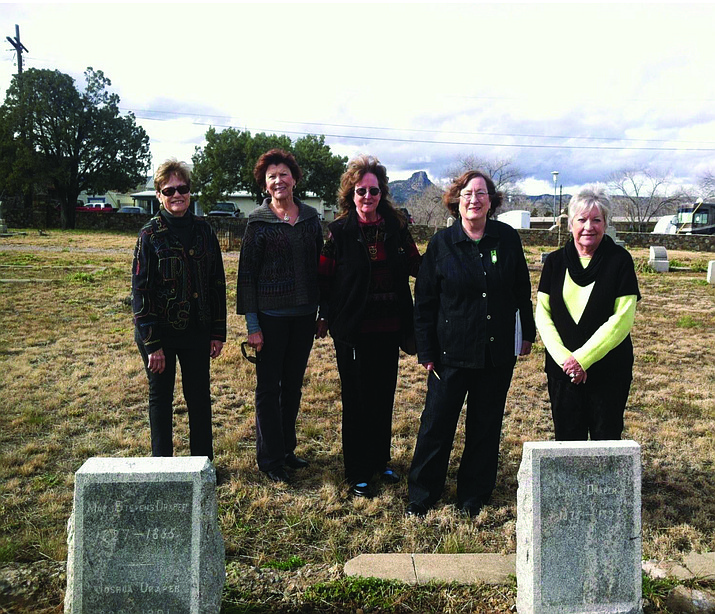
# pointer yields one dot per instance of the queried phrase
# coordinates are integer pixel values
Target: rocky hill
(404, 189)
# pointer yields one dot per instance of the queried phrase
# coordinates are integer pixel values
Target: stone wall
(100, 220)
(691, 243)
(230, 230)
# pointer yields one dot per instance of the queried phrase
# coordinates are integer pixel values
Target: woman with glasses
(366, 304)
(472, 281)
(179, 304)
(278, 293)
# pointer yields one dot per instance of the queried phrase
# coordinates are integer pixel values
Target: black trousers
(368, 377)
(195, 382)
(287, 342)
(595, 408)
(486, 390)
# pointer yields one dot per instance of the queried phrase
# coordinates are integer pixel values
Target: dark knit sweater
(278, 265)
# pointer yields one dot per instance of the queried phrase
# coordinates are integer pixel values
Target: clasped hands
(575, 371)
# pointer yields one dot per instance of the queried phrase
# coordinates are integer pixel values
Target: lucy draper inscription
(137, 548)
(586, 520)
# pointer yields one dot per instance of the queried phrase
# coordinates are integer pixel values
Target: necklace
(372, 244)
(286, 215)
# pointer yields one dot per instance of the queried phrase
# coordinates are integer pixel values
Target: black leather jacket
(466, 297)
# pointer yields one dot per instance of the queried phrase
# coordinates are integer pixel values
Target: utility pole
(19, 48)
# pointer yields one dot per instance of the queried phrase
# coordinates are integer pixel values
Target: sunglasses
(362, 191)
(182, 189)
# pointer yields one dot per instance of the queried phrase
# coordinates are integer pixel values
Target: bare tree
(427, 208)
(644, 194)
(706, 184)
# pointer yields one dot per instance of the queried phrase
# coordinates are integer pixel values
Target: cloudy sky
(585, 89)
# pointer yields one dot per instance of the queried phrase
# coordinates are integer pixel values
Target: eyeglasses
(181, 189)
(474, 195)
(362, 191)
(252, 359)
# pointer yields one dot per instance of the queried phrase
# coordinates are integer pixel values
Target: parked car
(225, 210)
(106, 207)
(131, 210)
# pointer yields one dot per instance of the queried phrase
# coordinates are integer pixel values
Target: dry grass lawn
(73, 387)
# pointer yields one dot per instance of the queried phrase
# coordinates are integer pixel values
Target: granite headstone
(579, 528)
(144, 538)
(658, 259)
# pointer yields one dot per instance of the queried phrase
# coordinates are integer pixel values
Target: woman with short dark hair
(472, 283)
(277, 291)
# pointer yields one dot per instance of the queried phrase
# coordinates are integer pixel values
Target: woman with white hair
(586, 305)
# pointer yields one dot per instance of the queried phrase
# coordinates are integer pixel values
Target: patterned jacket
(177, 292)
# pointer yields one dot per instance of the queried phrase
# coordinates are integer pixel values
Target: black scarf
(181, 227)
(584, 277)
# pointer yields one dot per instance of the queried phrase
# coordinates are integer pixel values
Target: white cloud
(408, 78)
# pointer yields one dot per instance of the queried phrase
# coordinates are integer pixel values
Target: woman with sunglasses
(472, 281)
(366, 304)
(179, 304)
(278, 293)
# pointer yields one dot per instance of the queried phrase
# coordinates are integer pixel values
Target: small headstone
(579, 528)
(611, 232)
(711, 272)
(144, 537)
(658, 259)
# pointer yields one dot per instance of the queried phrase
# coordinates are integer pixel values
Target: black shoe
(415, 510)
(390, 477)
(472, 511)
(222, 476)
(361, 489)
(278, 475)
(295, 462)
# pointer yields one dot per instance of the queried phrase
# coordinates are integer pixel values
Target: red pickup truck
(95, 207)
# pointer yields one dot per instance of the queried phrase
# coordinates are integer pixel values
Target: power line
(424, 130)
(445, 142)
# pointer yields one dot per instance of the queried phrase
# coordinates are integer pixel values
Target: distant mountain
(547, 197)
(401, 191)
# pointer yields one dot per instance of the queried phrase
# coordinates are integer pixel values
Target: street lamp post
(556, 178)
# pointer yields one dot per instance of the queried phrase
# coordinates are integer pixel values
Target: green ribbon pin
(494, 256)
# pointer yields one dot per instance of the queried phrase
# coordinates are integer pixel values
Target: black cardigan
(345, 295)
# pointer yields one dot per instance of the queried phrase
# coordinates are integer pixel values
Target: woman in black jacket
(179, 303)
(366, 304)
(472, 281)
